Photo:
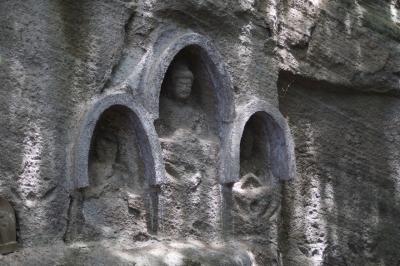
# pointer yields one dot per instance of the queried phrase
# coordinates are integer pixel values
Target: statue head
(106, 146)
(181, 80)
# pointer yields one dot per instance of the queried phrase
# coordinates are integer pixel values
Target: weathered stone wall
(343, 209)
(339, 89)
(349, 43)
(57, 57)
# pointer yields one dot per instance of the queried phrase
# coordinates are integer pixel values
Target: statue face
(182, 81)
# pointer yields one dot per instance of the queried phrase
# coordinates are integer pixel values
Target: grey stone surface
(188, 132)
(343, 207)
(336, 64)
(349, 43)
(8, 229)
(169, 253)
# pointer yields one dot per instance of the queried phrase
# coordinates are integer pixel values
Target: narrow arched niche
(119, 186)
(188, 129)
(272, 133)
(262, 155)
(114, 157)
(170, 42)
(256, 195)
(255, 150)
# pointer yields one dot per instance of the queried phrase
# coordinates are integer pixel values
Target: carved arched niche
(194, 108)
(8, 233)
(263, 155)
(187, 103)
(279, 148)
(208, 68)
(116, 164)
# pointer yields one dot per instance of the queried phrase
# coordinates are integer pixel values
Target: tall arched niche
(262, 155)
(79, 150)
(116, 165)
(170, 44)
(188, 91)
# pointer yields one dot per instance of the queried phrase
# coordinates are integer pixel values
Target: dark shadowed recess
(254, 147)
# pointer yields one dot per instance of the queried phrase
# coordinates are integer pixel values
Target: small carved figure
(104, 168)
(8, 242)
(180, 112)
(182, 80)
(101, 210)
(182, 119)
(106, 148)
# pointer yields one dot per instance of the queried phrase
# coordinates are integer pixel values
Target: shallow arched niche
(147, 140)
(280, 146)
(165, 48)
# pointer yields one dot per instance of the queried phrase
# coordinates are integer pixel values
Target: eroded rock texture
(343, 209)
(95, 83)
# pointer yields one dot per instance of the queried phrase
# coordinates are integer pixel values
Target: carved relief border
(281, 152)
(147, 139)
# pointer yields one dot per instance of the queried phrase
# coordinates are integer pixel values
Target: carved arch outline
(281, 151)
(148, 143)
(168, 44)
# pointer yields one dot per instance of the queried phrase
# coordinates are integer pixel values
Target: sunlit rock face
(349, 43)
(343, 208)
(151, 179)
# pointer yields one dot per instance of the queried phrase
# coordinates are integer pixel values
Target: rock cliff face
(152, 132)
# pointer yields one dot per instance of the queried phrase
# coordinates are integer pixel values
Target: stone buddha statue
(106, 149)
(106, 172)
(190, 149)
(101, 211)
(8, 233)
(180, 111)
